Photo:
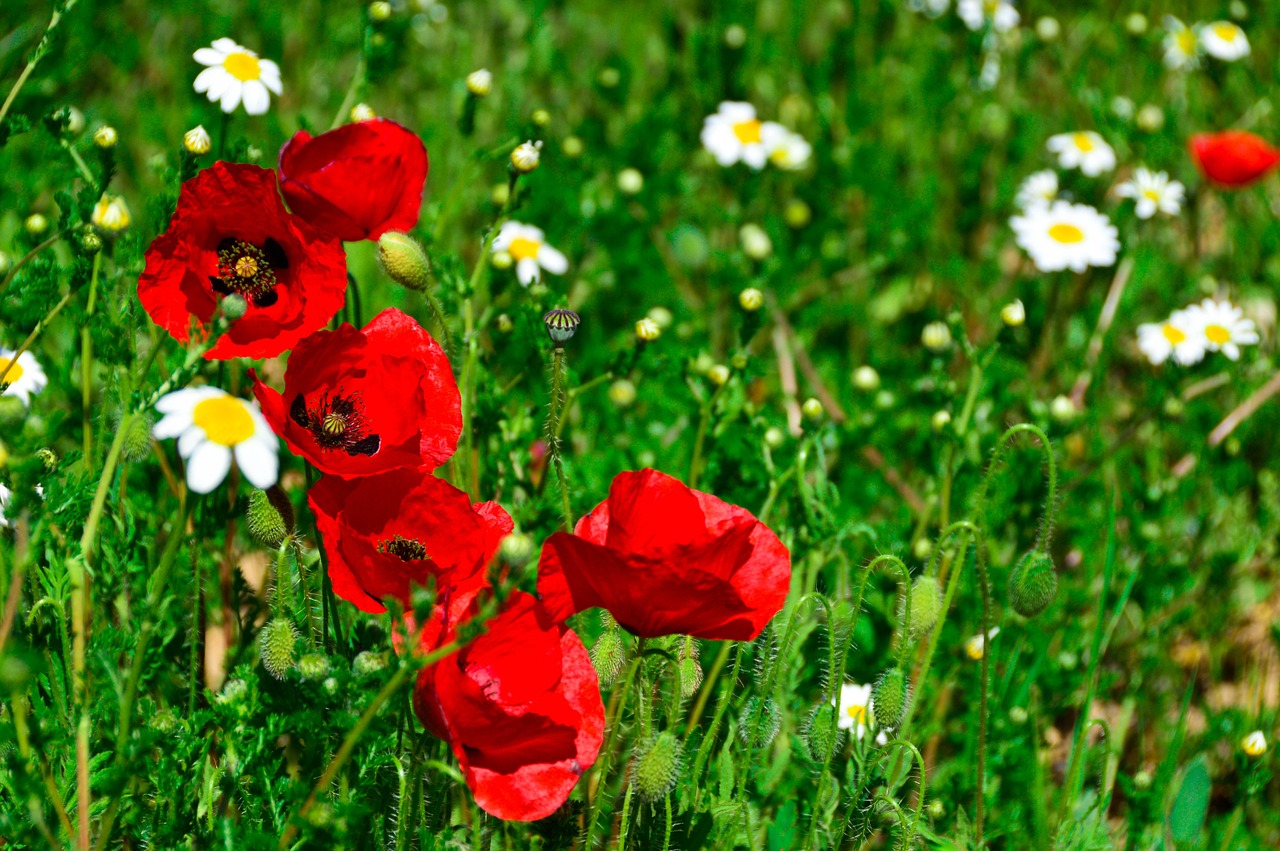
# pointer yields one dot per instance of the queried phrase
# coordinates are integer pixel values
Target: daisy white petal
(527, 271)
(208, 467)
(552, 260)
(209, 56)
(256, 99)
(259, 460)
(270, 75)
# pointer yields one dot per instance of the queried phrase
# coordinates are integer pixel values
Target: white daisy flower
(854, 711)
(976, 646)
(1038, 190)
(930, 8)
(1066, 236)
(1224, 327)
(111, 214)
(1179, 337)
(23, 378)
(213, 426)
(526, 245)
(733, 135)
(976, 13)
(1224, 40)
(5, 495)
(1181, 47)
(788, 151)
(235, 74)
(1154, 192)
(1084, 150)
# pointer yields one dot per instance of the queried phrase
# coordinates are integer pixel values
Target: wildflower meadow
(792, 424)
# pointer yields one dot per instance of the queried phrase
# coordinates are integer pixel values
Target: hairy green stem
(86, 361)
(557, 408)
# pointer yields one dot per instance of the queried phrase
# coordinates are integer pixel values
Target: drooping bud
(561, 325)
(657, 765)
(137, 438)
(889, 698)
(608, 655)
(526, 156)
(1033, 583)
(269, 517)
(197, 140)
(760, 721)
(926, 604)
(275, 643)
(821, 733)
(404, 261)
(314, 666)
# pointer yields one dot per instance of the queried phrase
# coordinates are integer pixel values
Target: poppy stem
(86, 361)
(558, 404)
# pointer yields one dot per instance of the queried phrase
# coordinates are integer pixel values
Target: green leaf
(1186, 816)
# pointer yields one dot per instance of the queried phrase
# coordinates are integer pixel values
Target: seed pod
(608, 656)
(275, 644)
(404, 261)
(926, 604)
(314, 666)
(760, 721)
(889, 698)
(269, 517)
(821, 734)
(657, 765)
(1033, 584)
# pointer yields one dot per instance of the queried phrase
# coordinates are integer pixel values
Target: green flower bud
(608, 655)
(890, 697)
(314, 666)
(821, 733)
(367, 662)
(137, 438)
(164, 721)
(275, 644)
(690, 673)
(926, 604)
(1033, 584)
(233, 307)
(404, 261)
(270, 517)
(657, 765)
(48, 458)
(760, 721)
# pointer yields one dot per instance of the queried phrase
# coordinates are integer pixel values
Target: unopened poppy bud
(751, 299)
(940, 420)
(105, 137)
(253, 153)
(314, 667)
(1033, 583)
(1013, 314)
(1018, 715)
(367, 663)
(1150, 118)
(755, 242)
(657, 766)
(1136, 23)
(735, 35)
(926, 604)
(362, 112)
(760, 721)
(380, 11)
(516, 549)
(36, 224)
(936, 337)
(197, 140)
(505, 324)
(935, 809)
(573, 147)
(774, 438)
(502, 260)
(630, 181)
(6, 263)
(719, 375)
(812, 408)
(526, 156)
(1062, 409)
(269, 517)
(821, 733)
(866, 379)
(797, 214)
(164, 721)
(1048, 28)
(648, 330)
(480, 82)
(622, 393)
(889, 698)
(540, 118)
(233, 307)
(91, 243)
(1142, 779)
(1254, 744)
(404, 261)
(561, 325)
(276, 646)
(689, 673)
(136, 444)
(608, 655)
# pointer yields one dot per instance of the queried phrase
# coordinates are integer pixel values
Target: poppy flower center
(337, 422)
(523, 249)
(748, 132)
(1217, 334)
(405, 549)
(1172, 334)
(1084, 142)
(11, 370)
(223, 420)
(244, 268)
(243, 67)
(1066, 233)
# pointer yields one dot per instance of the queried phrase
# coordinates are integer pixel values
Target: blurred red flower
(1233, 158)
(358, 181)
(385, 534)
(520, 706)
(358, 402)
(665, 559)
(229, 234)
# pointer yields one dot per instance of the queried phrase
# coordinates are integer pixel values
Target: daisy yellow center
(224, 420)
(1083, 141)
(1217, 334)
(12, 371)
(1152, 194)
(748, 132)
(523, 248)
(1066, 234)
(1186, 41)
(1226, 32)
(1172, 334)
(857, 713)
(243, 67)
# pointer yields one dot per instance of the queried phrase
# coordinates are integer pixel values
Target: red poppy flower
(363, 401)
(665, 560)
(385, 534)
(356, 182)
(231, 233)
(1233, 157)
(520, 706)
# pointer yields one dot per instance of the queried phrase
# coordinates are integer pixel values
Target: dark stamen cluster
(245, 268)
(405, 549)
(337, 422)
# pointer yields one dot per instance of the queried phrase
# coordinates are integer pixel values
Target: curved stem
(1051, 477)
(28, 257)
